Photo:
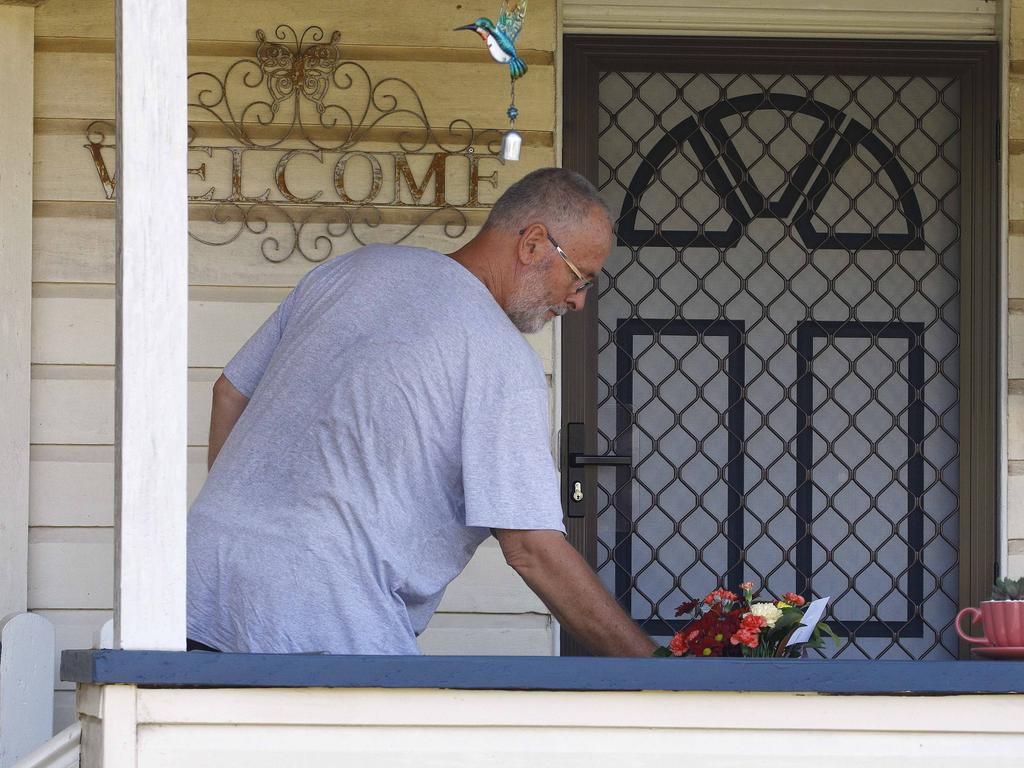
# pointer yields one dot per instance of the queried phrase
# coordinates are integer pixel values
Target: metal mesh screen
(778, 348)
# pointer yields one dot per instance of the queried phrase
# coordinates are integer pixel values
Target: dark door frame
(976, 65)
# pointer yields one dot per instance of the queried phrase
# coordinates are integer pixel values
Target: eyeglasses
(584, 283)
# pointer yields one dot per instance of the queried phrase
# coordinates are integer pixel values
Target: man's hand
(570, 589)
(228, 404)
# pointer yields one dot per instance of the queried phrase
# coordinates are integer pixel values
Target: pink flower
(793, 599)
(678, 646)
(748, 633)
(747, 585)
(744, 637)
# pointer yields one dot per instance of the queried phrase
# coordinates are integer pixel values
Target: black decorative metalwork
(626, 334)
(788, 253)
(834, 144)
(807, 332)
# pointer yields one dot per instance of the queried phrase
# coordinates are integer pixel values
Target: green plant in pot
(1002, 618)
(1008, 589)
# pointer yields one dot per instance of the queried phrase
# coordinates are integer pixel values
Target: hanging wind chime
(501, 44)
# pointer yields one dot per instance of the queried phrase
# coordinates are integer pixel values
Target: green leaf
(831, 633)
(788, 619)
(661, 651)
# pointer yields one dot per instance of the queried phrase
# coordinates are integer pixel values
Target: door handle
(576, 460)
(587, 460)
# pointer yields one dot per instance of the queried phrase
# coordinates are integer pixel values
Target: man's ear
(529, 245)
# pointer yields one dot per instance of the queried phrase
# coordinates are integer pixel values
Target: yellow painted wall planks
(362, 22)
(81, 85)
(80, 249)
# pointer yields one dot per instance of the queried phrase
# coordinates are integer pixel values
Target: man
(384, 421)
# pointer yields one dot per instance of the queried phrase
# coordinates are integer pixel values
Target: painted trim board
(16, 25)
(540, 673)
(936, 19)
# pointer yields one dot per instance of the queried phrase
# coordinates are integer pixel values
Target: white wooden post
(26, 685)
(152, 309)
(16, 50)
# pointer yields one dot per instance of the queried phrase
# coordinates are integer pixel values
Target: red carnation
(678, 646)
(793, 599)
(720, 595)
(747, 634)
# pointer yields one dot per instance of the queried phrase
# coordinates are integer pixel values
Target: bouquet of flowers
(726, 624)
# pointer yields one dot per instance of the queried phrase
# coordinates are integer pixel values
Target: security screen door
(774, 368)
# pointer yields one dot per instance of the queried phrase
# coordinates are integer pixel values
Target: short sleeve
(246, 368)
(509, 478)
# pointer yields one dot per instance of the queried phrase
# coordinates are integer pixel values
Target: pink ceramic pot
(1003, 621)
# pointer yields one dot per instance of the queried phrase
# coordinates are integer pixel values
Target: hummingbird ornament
(500, 39)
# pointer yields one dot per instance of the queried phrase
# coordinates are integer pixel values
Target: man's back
(395, 415)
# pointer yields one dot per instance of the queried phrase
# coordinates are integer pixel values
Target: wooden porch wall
(266, 728)
(70, 541)
(232, 288)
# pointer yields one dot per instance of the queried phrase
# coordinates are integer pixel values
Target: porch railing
(26, 685)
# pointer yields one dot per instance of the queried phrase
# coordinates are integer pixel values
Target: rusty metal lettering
(376, 181)
(200, 171)
(297, 95)
(404, 173)
(282, 182)
(109, 183)
(236, 195)
(475, 178)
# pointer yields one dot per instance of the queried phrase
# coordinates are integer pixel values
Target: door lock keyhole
(577, 492)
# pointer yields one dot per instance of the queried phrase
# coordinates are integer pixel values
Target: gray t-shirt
(395, 416)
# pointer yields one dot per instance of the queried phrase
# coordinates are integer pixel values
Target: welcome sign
(301, 150)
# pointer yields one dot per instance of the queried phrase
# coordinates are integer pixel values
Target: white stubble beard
(528, 306)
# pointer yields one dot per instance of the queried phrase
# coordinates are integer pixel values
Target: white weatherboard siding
(232, 289)
(398, 728)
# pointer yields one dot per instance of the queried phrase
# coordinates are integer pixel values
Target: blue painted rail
(544, 673)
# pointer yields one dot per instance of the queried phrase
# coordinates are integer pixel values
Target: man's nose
(576, 301)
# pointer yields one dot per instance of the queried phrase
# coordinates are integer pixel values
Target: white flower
(767, 611)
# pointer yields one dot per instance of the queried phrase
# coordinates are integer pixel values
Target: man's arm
(570, 589)
(228, 404)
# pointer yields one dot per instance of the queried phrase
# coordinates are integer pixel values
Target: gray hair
(555, 197)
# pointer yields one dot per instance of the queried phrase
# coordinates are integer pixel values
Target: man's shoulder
(386, 256)
(504, 358)
(382, 257)
(426, 273)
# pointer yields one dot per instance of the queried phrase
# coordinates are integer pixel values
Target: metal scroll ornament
(500, 39)
(297, 97)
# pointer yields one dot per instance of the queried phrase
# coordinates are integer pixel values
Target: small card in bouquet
(815, 610)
